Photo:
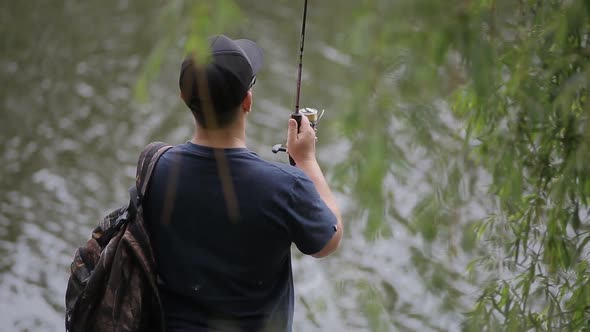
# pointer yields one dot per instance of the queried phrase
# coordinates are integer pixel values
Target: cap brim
(253, 52)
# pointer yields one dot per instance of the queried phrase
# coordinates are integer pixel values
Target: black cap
(230, 74)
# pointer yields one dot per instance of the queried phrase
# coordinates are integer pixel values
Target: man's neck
(225, 138)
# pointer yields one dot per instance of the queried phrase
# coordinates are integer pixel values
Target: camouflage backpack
(112, 285)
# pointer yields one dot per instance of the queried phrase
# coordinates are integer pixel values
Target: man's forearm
(312, 169)
(301, 145)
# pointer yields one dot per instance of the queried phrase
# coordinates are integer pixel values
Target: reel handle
(297, 116)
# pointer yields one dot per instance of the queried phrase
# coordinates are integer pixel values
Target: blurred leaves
(515, 75)
(378, 304)
(188, 23)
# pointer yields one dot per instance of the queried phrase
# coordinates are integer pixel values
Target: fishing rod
(296, 115)
(310, 113)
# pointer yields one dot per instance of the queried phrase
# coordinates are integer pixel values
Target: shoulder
(282, 171)
(181, 154)
(292, 181)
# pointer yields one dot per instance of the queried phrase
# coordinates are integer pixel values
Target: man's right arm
(301, 148)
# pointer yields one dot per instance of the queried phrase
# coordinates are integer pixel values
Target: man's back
(222, 230)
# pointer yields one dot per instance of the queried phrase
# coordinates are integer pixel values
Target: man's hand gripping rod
(312, 115)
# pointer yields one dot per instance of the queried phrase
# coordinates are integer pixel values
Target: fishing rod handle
(297, 116)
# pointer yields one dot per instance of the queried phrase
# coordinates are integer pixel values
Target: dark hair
(225, 78)
(216, 105)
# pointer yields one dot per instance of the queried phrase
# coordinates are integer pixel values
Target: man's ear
(247, 102)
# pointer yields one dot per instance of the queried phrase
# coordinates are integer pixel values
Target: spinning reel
(313, 115)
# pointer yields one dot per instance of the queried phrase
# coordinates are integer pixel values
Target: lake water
(71, 130)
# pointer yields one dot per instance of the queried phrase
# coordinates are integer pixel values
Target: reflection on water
(71, 131)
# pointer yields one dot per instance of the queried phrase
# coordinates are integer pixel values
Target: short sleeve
(312, 223)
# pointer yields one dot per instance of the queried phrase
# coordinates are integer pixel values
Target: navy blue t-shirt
(222, 229)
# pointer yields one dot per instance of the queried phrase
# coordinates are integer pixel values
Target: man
(222, 219)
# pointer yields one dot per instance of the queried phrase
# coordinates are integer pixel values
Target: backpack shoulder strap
(145, 167)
